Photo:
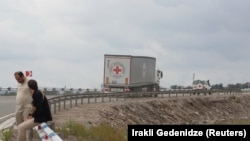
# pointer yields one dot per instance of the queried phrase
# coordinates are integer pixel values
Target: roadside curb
(9, 123)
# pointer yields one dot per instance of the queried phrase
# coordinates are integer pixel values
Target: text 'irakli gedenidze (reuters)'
(189, 131)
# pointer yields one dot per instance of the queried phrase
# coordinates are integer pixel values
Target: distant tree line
(218, 86)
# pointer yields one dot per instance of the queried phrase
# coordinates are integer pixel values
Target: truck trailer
(127, 73)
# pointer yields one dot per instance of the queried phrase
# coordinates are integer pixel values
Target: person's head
(20, 78)
(33, 84)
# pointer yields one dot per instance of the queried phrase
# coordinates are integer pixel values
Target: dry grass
(102, 132)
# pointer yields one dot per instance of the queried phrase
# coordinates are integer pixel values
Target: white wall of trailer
(117, 70)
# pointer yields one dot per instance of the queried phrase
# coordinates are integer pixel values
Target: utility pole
(193, 76)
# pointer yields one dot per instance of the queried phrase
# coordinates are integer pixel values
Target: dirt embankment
(178, 110)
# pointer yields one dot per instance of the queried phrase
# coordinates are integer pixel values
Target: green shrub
(101, 132)
(6, 135)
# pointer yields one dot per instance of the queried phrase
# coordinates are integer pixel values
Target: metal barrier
(63, 102)
(46, 133)
(7, 124)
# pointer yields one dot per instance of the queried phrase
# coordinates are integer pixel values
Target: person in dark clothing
(39, 113)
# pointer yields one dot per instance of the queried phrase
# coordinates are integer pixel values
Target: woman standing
(39, 113)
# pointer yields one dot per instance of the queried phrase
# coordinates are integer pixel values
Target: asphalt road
(8, 105)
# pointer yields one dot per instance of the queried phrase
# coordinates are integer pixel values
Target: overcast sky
(63, 42)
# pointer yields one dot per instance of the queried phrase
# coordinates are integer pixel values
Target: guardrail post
(54, 107)
(76, 101)
(59, 105)
(70, 102)
(50, 106)
(64, 103)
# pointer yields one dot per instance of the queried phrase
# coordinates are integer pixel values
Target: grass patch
(236, 99)
(6, 135)
(102, 132)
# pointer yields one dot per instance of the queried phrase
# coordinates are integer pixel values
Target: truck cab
(199, 86)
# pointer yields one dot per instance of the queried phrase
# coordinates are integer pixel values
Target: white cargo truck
(127, 73)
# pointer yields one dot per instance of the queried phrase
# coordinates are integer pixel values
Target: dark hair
(32, 84)
(19, 73)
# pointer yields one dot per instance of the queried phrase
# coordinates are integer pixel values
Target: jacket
(42, 111)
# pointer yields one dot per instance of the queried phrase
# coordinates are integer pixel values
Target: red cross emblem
(117, 69)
